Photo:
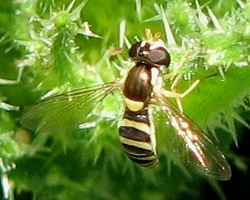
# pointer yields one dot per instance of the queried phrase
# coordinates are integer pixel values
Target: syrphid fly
(143, 91)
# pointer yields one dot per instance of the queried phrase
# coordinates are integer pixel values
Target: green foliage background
(45, 47)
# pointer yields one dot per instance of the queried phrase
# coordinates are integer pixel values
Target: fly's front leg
(181, 63)
(176, 80)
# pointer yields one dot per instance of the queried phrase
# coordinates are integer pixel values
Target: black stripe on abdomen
(138, 138)
(134, 134)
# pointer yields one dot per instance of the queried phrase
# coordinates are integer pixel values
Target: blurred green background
(49, 47)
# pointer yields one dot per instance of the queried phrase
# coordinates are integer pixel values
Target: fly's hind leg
(178, 96)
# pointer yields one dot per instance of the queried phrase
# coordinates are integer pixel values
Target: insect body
(142, 89)
(137, 132)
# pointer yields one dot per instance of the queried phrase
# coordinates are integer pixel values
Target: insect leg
(176, 95)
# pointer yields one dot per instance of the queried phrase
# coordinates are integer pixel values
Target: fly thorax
(138, 87)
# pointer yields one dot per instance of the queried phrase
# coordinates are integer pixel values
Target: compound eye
(139, 49)
(154, 54)
(159, 56)
(135, 50)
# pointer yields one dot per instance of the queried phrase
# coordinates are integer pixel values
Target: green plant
(47, 47)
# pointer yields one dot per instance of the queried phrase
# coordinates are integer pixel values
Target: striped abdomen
(137, 132)
(137, 135)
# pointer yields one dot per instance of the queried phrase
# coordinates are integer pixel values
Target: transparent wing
(64, 112)
(191, 146)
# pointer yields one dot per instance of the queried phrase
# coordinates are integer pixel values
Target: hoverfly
(142, 89)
